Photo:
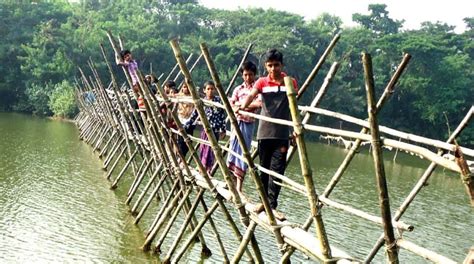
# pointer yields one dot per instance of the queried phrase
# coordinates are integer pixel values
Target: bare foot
(279, 215)
(243, 197)
(258, 208)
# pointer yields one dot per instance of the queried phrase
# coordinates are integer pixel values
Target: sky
(413, 12)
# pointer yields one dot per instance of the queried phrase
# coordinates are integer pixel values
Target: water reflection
(56, 206)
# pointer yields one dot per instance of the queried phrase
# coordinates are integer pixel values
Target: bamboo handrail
(389, 131)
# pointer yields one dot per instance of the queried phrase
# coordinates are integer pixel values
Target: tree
(378, 21)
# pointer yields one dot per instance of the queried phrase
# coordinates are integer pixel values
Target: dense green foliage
(43, 43)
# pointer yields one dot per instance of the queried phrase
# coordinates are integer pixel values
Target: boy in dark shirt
(273, 139)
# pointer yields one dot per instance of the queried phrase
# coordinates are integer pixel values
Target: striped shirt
(239, 95)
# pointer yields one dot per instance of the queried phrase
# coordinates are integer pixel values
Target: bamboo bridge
(159, 177)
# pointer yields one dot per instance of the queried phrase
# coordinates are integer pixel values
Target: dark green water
(56, 205)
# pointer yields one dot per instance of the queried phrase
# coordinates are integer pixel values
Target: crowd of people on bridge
(266, 94)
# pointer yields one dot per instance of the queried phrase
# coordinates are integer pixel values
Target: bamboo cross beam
(190, 70)
(420, 184)
(318, 66)
(389, 131)
(421, 151)
(306, 171)
(187, 61)
(383, 98)
(390, 244)
(316, 101)
(236, 73)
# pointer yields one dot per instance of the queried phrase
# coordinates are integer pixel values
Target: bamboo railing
(157, 176)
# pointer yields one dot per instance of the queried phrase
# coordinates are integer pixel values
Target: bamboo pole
(249, 233)
(237, 71)
(142, 171)
(306, 171)
(150, 199)
(207, 127)
(318, 66)
(216, 233)
(196, 230)
(389, 131)
(167, 152)
(383, 98)
(378, 161)
(202, 170)
(420, 184)
(171, 220)
(183, 227)
(164, 216)
(223, 165)
(148, 185)
(466, 176)
(114, 148)
(122, 171)
(425, 253)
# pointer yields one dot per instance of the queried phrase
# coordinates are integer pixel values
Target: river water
(56, 205)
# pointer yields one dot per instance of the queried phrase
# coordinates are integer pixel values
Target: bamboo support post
(216, 233)
(122, 171)
(183, 227)
(236, 130)
(467, 177)
(306, 171)
(318, 66)
(164, 216)
(383, 98)
(196, 230)
(378, 161)
(203, 171)
(237, 71)
(420, 184)
(170, 221)
(142, 171)
(206, 125)
(147, 186)
(249, 233)
(117, 159)
(171, 193)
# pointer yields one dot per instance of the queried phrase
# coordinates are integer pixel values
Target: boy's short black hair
(248, 66)
(151, 79)
(170, 84)
(208, 83)
(273, 55)
(123, 53)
